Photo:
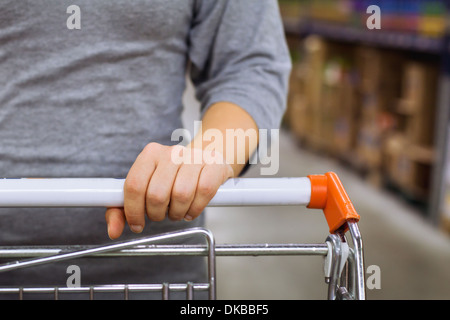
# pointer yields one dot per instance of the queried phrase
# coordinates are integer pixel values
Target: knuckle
(206, 189)
(152, 147)
(182, 195)
(157, 198)
(132, 187)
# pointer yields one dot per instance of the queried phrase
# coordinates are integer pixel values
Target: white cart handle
(315, 191)
(105, 192)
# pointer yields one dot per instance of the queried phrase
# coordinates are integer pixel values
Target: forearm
(238, 131)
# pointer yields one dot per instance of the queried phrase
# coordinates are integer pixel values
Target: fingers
(160, 189)
(183, 191)
(211, 178)
(135, 187)
(156, 187)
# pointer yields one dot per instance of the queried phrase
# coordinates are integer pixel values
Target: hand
(157, 186)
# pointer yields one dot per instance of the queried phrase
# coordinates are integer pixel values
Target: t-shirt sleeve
(238, 53)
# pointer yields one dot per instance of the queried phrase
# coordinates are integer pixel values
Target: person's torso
(84, 102)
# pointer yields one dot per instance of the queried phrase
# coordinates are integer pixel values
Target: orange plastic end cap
(319, 191)
(328, 193)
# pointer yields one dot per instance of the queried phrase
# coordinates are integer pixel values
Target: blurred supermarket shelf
(335, 56)
(380, 38)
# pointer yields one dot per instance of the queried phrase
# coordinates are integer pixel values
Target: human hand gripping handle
(156, 187)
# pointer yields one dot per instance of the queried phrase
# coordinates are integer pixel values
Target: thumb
(115, 220)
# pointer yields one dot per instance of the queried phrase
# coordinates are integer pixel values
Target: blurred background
(372, 106)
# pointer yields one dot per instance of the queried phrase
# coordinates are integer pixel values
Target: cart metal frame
(343, 261)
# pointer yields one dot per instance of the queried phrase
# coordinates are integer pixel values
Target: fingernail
(136, 228)
(187, 218)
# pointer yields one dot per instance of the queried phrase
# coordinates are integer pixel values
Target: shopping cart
(343, 261)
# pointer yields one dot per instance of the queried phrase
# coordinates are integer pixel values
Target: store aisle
(413, 257)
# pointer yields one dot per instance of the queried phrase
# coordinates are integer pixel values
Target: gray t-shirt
(84, 102)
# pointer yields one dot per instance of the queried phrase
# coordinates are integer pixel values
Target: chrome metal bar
(335, 253)
(352, 273)
(126, 292)
(320, 249)
(359, 260)
(271, 249)
(211, 263)
(343, 294)
(114, 288)
(165, 291)
(190, 291)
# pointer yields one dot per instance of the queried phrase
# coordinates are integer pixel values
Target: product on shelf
(372, 108)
